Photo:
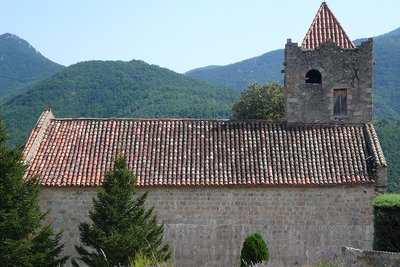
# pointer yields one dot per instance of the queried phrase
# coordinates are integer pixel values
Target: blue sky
(180, 35)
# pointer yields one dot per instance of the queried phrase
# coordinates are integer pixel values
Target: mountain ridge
(21, 65)
(241, 74)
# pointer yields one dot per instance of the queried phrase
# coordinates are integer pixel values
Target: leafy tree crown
(260, 102)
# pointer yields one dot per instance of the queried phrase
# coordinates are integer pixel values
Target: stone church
(305, 183)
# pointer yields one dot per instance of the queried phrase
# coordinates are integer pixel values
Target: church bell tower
(328, 79)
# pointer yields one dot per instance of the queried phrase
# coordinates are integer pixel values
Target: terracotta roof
(326, 27)
(168, 152)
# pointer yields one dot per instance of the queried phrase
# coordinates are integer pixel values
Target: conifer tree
(24, 238)
(122, 227)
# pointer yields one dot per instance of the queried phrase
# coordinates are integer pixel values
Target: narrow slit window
(340, 98)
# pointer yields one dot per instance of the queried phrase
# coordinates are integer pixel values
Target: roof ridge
(325, 27)
(376, 148)
(137, 119)
(302, 124)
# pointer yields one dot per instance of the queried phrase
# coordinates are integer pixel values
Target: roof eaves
(376, 148)
(36, 135)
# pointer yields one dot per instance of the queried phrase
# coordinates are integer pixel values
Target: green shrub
(149, 261)
(387, 222)
(254, 250)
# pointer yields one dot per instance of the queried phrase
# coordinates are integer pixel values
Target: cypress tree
(122, 227)
(24, 238)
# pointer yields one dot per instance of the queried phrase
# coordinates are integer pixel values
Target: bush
(254, 250)
(149, 261)
(387, 222)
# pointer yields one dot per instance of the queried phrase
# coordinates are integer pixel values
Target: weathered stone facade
(348, 69)
(206, 226)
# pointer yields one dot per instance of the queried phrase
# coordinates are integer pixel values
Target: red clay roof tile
(169, 152)
(326, 27)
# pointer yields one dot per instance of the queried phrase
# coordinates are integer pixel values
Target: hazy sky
(177, 34)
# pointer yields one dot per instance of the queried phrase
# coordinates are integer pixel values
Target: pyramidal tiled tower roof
(325, 26)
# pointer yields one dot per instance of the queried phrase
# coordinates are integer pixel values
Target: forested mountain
(386, 101)
(261, 69)
(21, 64)
(116, 89)
(386, 75)
(389, 136)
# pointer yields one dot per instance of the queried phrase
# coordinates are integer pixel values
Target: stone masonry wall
(367, 258)
(206, 226)
(340, 68)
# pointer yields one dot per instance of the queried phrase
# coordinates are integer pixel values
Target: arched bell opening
(313, 76)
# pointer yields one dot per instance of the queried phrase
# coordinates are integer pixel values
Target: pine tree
(122, 227)
(24, 238)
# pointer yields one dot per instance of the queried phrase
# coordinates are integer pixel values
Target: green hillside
(389, 135)
(261, 69)
(21, 65)
(116, 89)
(386, 75)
